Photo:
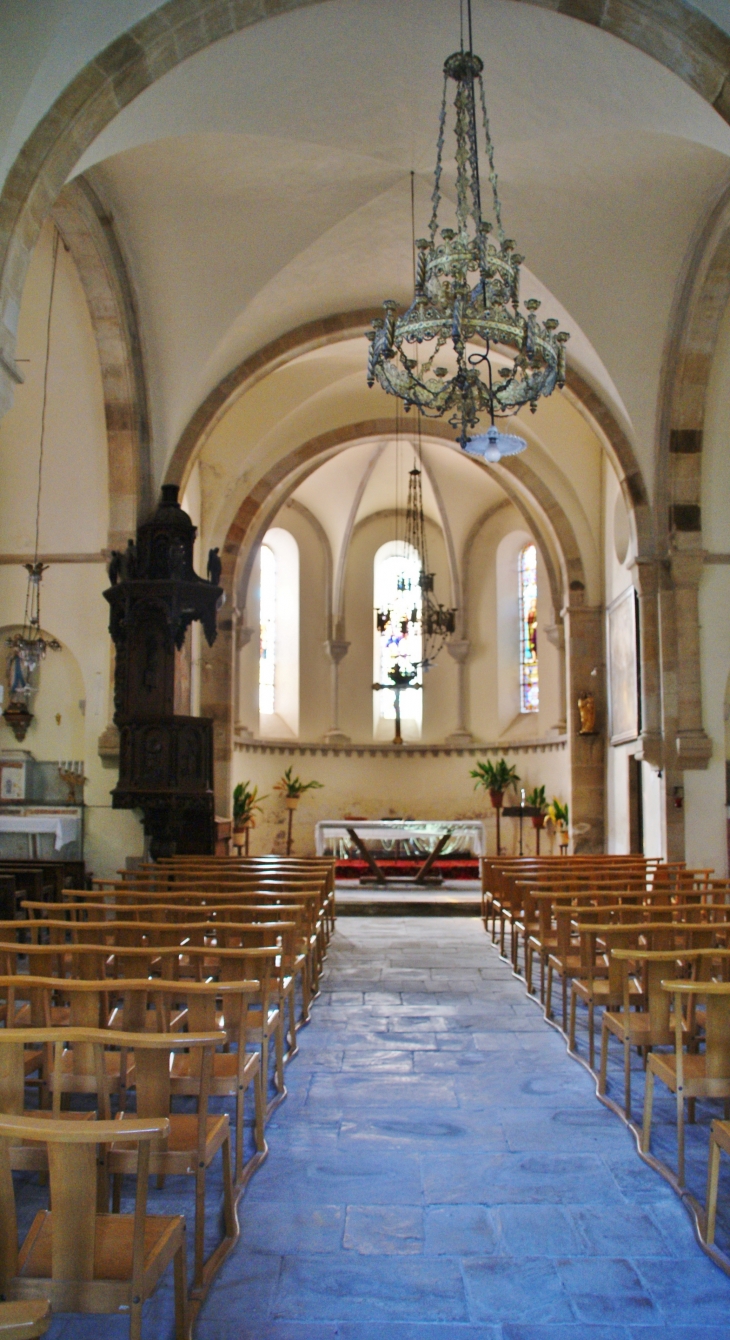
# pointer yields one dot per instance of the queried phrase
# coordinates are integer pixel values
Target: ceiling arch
(673, 33)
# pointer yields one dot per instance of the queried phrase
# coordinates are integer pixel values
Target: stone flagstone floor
(441, 1170)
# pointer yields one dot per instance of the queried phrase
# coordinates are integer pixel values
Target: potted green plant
(293, 789)
(560, 818)
(537, 801)
(246, 802)
(495, 778)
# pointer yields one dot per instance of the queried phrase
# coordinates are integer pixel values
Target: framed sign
(623, 668)
(12, 779)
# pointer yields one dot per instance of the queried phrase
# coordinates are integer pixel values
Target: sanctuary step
(453, 898)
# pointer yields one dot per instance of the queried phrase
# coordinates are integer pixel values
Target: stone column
(242, 635)
(693, 746)
(458, 650)
(585, 655)
(646, 577)
(555, 634)
(337, 650)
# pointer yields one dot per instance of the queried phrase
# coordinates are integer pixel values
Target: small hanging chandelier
(435, 623)
(467, 295)
(28, 647)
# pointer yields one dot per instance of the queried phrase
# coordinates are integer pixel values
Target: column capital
(686, 567)
(694, 749)
(646, 573)
(555, 634)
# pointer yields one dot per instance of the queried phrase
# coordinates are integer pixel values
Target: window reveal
(529, 682)
(267, 643)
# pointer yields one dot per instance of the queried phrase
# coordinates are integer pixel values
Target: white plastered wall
(73, 520)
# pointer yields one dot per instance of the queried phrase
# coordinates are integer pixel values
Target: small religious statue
(128, 564)
(400, 680)
(114, 567)
(587, 710)
(215, 566)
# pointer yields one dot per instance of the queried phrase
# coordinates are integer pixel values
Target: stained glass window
(529, 683)
(396, 589)
(267, 644)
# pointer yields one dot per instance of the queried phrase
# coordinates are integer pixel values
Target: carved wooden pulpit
(165, 761)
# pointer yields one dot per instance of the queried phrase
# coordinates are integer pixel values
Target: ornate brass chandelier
(466, 303)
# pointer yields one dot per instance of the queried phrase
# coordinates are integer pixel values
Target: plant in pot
(558, 813)
(537, 801)
(495, 778)
(246, 802)
(293, 789)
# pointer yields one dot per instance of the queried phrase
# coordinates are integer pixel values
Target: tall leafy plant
(495, 778)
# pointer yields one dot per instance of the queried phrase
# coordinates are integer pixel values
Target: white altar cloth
(422, 834)
(64, 826)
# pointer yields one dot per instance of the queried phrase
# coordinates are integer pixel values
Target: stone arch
(546, 520)
(674, 33)
(88, 233)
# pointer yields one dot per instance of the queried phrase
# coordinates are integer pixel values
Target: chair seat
(180, 1153)
(60, 1015)
(640, 1030)
(571, 964)
(29, 1318)
(113, 1241)
(598, 989)
(696, 1082)
(225, 1067)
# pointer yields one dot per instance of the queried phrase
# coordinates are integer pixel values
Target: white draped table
(425, 840)
(65, 827)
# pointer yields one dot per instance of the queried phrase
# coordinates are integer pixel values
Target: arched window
(529, 682)
(279, 635)
(396, 570)
(267, 620)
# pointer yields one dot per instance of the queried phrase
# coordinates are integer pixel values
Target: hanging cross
(400, 680)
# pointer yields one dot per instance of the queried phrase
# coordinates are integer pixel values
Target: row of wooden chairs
(648, 946)
(156, 987)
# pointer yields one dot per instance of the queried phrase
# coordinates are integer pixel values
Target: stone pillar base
(336, 736)
(460, 738)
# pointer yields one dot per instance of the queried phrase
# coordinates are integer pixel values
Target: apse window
(397, 593)
(529, 681)
(279, 635)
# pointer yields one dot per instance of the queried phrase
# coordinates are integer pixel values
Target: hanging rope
(56, 239)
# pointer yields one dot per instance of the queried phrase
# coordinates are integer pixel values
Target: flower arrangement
(246, 802)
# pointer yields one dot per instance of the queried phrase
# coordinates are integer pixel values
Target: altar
(37, 832)
(380, 841)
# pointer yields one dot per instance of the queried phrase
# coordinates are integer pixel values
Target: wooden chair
(719, 1141)
(24, 1321)
(196, 1004)
(191, 1142)
(29, 1156)
(692, 1075)
(74, 1257)
(600, 982)
(650, 1027)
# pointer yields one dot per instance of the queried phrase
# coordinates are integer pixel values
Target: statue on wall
(587, 710)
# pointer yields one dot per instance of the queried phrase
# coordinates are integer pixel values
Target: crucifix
(400, 680)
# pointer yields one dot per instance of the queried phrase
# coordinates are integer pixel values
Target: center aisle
(441, 1170)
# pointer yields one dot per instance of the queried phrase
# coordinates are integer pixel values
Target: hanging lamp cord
(56, 239)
